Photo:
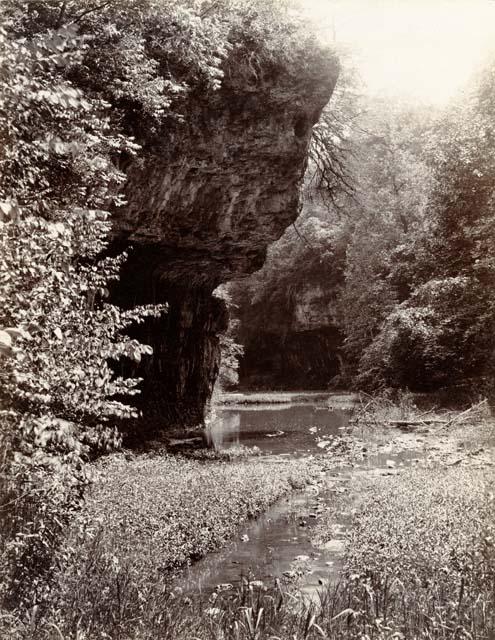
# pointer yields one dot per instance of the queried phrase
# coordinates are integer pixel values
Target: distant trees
(442, 334)
(392, 183)
(412, 282)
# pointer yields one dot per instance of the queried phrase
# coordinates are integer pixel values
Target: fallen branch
(469, 411)
(415, 422)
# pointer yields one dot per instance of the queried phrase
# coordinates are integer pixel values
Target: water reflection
(225, 429)
(274, 542)
(289, 429)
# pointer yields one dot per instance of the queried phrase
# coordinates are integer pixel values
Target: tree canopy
(403, 250)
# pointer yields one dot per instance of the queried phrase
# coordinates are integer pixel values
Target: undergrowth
(403, 407)
(420, 561)
(231, 454)
(146, 517)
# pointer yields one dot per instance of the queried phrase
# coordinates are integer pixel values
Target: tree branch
(61, 15)
(92, 10)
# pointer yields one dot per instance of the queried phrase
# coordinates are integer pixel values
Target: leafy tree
(57, 334)
(453, 274)
(387, 212)
(153, 59)
(438, 331)
(230, 350)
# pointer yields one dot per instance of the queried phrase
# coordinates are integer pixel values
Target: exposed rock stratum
(203, 205)
(298, 349)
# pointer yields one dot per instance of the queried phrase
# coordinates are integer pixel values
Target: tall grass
(346, 611)
(420, 555)
(420, 564)
(420, 558)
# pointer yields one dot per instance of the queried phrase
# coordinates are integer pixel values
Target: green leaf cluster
(58, 334)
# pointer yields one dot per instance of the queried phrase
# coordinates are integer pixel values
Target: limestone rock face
(207, 202)
(313, 310)
(296, 351)
(179, 377)
(298, 361)
(203, 205)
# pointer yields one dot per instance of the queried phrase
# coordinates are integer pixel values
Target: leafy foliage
(426, 560)
(230, 350)
(57, 334)
(153, 59)
(403, 255)
(441, 333)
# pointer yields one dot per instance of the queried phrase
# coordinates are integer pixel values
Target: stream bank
(404, 518)
(303, 538)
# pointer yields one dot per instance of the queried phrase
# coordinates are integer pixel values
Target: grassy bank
(420, 560)
(419, 565)
(278, 397)
(263, 399)
(145, 517)
(182, 508)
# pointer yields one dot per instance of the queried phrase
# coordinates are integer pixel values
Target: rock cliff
(297, 350)
(203, 205)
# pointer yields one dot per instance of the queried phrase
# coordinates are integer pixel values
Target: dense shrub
(57, 334)
(428, 343)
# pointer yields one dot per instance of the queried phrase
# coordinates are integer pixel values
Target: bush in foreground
(59, 397)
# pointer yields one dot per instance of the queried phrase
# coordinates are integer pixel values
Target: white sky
(424, 51)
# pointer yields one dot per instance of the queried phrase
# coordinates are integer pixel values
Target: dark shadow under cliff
(203, 205)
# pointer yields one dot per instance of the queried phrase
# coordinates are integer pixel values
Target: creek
(279, 543)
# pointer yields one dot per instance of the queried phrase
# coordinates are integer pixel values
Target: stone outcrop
(298, 350)
(312, 310)
(203, 205)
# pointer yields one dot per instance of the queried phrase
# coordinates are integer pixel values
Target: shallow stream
(278, 544)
